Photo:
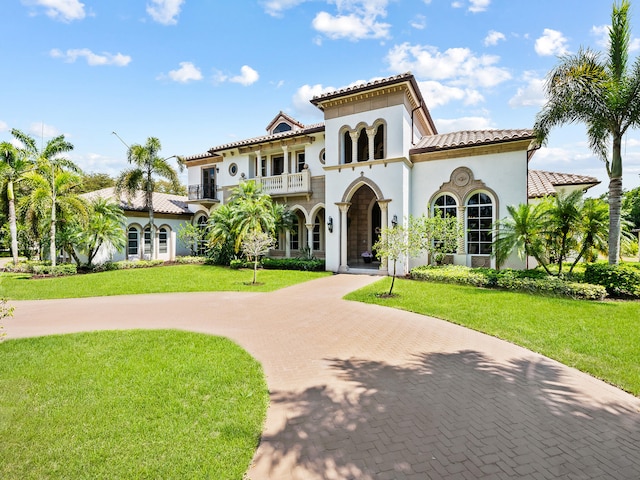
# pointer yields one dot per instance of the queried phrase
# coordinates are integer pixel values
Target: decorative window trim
(233, 169)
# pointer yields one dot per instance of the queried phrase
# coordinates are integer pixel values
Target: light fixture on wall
(330, 224)
(394, 221)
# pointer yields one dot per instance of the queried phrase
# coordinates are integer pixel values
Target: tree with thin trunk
(604, 94)
(254, 245)
(147, 165)
(564, 214)
(49, 163)
(592, 228)
(13, 164)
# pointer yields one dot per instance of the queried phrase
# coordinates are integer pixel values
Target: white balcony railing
(286, 184)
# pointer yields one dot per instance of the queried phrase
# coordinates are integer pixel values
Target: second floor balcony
(203, 193)
(286, 184)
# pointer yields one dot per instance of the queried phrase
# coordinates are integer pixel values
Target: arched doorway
(364, 220)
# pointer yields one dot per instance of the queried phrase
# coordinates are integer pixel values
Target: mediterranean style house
(376, 160)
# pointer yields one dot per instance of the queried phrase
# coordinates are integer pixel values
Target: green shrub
(453, 274)
(236, 263)
(38, 267)
(304, 264)
(529, 281)
(191, 260)
(127, 264)
(621, 281)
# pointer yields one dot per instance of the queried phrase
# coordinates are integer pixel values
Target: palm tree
(147, 165)
(49, 163)
(603, 94)
(14, 163)
(58, 198)
(592, 227)
(523, 232)
(105, 227)
(564, 214)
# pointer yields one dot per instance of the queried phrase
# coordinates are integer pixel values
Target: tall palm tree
(59, 200)
(605, 95)
(49, 162)
(147, 164)
(13, 164)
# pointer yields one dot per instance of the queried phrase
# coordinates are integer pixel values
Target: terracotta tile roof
(541, 183)
(197, 156)
(318, 127)
(469, 138)
(162, 202)
(362, 87)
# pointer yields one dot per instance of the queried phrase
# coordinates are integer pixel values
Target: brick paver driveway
(365, 392)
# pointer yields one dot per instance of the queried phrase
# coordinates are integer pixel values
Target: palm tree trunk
(615, 198)
(52, 232)
(13, 228)
(152, 227)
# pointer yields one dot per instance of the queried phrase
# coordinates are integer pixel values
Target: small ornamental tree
(190, 236)
(255, 244)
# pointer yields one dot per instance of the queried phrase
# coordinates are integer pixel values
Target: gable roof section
(308, 129)
(162, 202)
(541, 183)
(280, 117)
(469, 138)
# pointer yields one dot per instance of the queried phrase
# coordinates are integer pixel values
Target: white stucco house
(170, 211)
(375, 160)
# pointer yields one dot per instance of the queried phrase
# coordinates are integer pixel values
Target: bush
(191, 260)
(305, 264)
(236, 263)
(38, 267)
(127, 264)
(621, 281)
(529, 281)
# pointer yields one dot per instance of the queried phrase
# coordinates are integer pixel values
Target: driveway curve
(367, 392)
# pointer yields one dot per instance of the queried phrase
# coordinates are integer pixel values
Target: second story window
(348, 147)
(301, 162)
(277, 167)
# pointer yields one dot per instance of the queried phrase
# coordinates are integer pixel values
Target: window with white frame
(447, 207)
(277, 165)
(317, 233)
(163, 240)
(347, 147)
(479, 220)
(301, 161)
(132, 241)
(294, 237)
(147, 241)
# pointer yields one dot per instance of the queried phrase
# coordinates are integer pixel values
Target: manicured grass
(175, 278)
(128, 404)
(600, 338)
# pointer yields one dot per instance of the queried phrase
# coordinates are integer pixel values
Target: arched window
(318, 229)
(479, 220)
(282, 127)
(132, 242)
(447, 206)
(147, 241)
(363, 145)
(294, 237)
(348, 147)
(378, 143)
(163, 240)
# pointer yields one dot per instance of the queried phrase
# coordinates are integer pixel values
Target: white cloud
(479, 5)
(419, 22)
(602, 38)
(165, 11)
(248, 76)
(93, 59)
(301, 99)
(187, 72)
(463, 123)
(351, 26)
(3, 126)
(43, 130)
(276, 7)
(493, 38)
(459, 66)
(63, 10)
(531, 95)
(550, 43)
(437, 94)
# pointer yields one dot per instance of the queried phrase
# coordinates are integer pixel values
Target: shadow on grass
(453, 415)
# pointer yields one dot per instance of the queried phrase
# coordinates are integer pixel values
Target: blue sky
(197, 74)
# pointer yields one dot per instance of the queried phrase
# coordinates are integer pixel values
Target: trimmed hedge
(127, 264)
(529, 281)
(191, 260)
(621, 281)
(309, 265)
(37, 267)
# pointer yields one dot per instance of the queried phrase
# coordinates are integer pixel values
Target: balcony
(203, 193)
(286, 184)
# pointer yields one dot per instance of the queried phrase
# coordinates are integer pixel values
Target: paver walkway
(366, 392)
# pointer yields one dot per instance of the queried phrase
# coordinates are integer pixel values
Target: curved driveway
(366, 392)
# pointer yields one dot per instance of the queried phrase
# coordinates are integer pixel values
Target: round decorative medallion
(461, 178)
(322, 156)
(233, 169)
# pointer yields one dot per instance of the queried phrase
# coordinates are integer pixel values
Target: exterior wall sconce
(394, 221)
(330, 224)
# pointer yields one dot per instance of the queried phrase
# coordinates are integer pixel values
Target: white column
(310, 237)
(172, 246)
(285, 151)
(384, 222)
(354, 146)
(344, 208)
(371, 135)
(287, 243)
(258, 164)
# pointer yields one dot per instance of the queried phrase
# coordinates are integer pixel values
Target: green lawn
(128, 404)
(601, 338)
(175, 278)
